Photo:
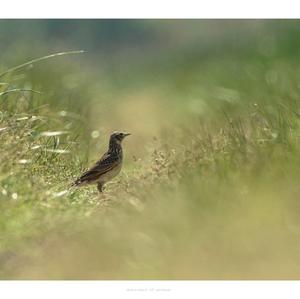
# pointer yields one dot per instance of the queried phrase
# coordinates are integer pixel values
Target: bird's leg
(100, 187)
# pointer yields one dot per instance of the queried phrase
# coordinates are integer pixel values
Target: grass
(209, 188)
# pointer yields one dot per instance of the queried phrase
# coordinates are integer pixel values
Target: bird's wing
(105, 164)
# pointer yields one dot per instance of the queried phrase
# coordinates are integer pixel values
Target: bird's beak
(126, 134)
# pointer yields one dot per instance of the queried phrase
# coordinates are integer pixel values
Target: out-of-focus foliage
(209, 188)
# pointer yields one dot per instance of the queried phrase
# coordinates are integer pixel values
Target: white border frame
(140, 9)
(150, 289)
(150, 9)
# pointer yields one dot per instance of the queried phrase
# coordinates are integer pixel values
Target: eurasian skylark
(107, 167)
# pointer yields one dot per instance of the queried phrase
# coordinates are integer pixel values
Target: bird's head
(118, 137)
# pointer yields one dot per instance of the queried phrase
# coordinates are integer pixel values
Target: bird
(107, 167)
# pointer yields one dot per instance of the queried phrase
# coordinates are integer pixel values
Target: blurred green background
(209, 187)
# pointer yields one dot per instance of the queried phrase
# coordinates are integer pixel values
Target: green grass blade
(18, 90)
(38, 60)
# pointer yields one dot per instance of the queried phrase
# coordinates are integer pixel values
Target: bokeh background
(210, 183)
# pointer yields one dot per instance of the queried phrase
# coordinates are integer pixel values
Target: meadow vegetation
(210, 183)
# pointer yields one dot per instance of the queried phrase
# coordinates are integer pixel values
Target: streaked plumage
(107, 167)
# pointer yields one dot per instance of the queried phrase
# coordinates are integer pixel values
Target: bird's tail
(75, 184)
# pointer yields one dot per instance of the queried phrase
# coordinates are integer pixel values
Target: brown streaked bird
(108, 166)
